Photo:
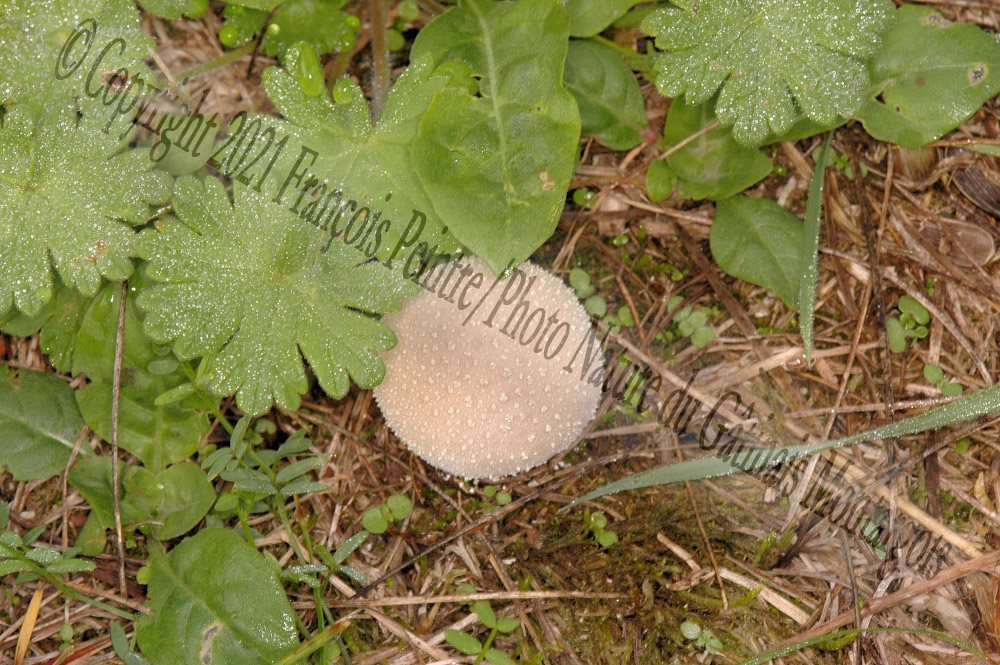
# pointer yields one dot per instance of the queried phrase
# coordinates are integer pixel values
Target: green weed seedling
(689, 322)
(497, 499)
(910, 324)
(597, 525)
(470, 645)
(701, 636)
(579, 279)
(935, 375)
(583, 197)
(377, 519)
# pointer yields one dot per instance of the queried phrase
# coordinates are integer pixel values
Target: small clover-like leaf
(252, 286)
(65, 186)
(772, 59)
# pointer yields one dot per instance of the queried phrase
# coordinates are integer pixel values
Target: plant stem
(221, 61)
(76, 595)
(486, 647)
(380, 57)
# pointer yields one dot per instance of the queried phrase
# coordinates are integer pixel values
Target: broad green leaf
(215, 600)
(496, 165)
(758, 241)
(178, 497)
(181, 144)
(247, 283)
(50, 48)
(39, 425)
(589, 17)
(318, 22)
(611, 104)
(772, 59)
(495, 657)
(93, 479)
(743, 458)
(661, 181)
(157, 435)
(713, 165)
(65, 187)
(929, 77)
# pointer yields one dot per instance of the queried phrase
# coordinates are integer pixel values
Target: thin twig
(115, 396)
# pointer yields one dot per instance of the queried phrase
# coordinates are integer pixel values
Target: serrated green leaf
(247, 284)
(770, 58)
(929, 78)
(178, 498)
(64, 191)
(39, 425)
(589, 17)
(51, 46)
(758, 241)
(157, 435)
(204, 612)
(610, 101)
(713, 165)
(508, 152)
(464, 642)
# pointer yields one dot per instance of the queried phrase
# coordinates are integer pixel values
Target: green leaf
(508, 152)
(713, 165)
(772, 59)
(296, 469)
(71, 566)
(248, 285)
(485, 613)
(58, 321)
(51, 46)
(611, 104)
(661, 181)
(66, 188)
(373, 521)
(182, 143)
(743, 459)
(690, 630)
(933, 374)
(929, 77)
(464, 642)
(157, 435)
(92, 538)
(495, 657)
(92, 478)
(507, 624)
(589, 17)
(758, 241)
(178, 497)
(39, 425)
(215, 600)
(399, 505)
(809, 252)
(317, 22)
(170, 9)
(348, 546)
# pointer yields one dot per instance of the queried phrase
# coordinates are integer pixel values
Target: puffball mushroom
(477, 385)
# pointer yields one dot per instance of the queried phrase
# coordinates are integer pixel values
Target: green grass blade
(741, 458)
(791, 648)
(810, 250)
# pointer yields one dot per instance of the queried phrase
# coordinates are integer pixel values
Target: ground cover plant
(780, 215)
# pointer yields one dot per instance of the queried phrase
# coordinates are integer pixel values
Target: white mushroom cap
(470, 399)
